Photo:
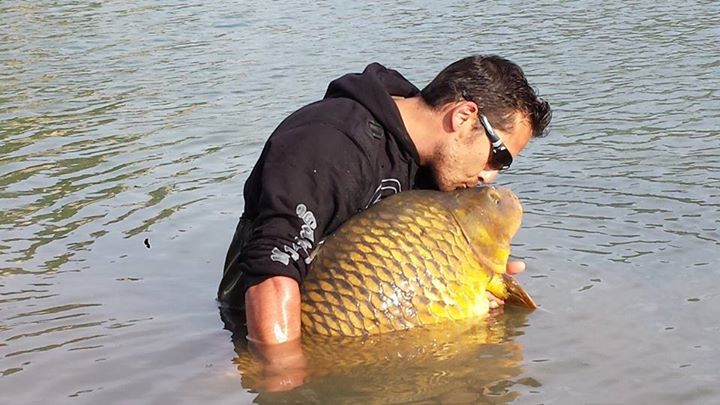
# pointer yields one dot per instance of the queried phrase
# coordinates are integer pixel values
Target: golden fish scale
(392, 269)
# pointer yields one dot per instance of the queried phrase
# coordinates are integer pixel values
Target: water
(126, 123)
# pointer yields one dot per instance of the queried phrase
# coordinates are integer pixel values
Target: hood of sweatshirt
(374, 89)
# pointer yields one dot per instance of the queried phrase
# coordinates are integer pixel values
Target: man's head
(478, 97)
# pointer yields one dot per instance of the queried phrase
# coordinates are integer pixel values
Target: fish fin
(508, 289)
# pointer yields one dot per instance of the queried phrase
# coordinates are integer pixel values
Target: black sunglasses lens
(501, 159)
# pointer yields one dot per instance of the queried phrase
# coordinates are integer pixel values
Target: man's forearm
(272, 309)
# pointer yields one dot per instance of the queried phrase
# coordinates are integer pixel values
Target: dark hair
(496, 85)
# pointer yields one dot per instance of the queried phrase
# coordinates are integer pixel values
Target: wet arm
(272, 309)
(273, 322)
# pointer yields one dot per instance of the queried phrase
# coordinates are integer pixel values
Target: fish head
(489, 217)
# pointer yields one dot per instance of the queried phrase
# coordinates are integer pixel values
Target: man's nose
(487, 176)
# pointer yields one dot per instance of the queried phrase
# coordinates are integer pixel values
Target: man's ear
(464, 113)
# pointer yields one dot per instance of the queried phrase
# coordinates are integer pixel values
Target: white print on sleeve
(386, 188)
(303, 242)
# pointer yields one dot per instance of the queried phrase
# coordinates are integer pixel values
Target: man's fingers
(494, 301)
(515, 267)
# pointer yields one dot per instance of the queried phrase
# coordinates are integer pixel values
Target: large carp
(416, 258)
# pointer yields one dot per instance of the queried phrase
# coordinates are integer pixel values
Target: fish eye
(494, 196)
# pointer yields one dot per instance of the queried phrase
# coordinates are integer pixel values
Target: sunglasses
(500, 157)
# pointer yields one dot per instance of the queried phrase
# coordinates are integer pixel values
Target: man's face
(462, 161)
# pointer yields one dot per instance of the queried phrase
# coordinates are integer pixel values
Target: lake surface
(127, 130)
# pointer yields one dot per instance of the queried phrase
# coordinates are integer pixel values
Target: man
(373, 134)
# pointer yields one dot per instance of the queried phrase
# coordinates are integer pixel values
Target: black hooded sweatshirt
(324, 163)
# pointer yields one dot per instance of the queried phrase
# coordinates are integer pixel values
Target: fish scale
(408, 261)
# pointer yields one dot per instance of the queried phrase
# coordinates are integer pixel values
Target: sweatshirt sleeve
(311, 179)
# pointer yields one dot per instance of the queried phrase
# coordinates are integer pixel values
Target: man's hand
(284, 365)
(513, 267)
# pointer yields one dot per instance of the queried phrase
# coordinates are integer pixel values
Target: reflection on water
(475, 361)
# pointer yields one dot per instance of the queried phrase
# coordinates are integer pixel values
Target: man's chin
(444, 184)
